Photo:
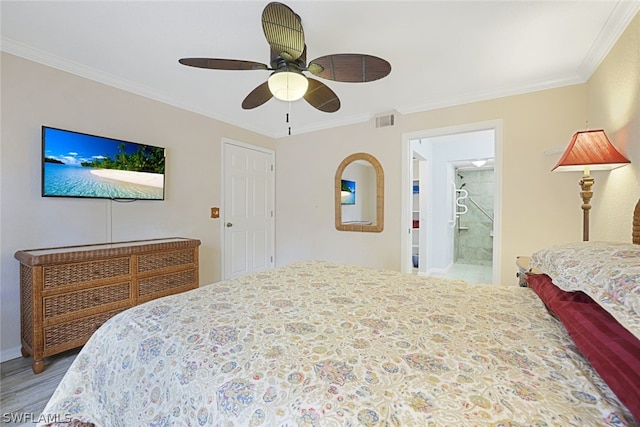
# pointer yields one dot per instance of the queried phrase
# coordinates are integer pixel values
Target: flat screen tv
(75, 164)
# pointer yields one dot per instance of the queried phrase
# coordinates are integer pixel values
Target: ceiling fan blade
(321, 97)
(222, 64)
(283, 30)
(303, 56)
(257, 97)
(350, 67)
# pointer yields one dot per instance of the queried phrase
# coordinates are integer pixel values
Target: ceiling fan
(283, 31)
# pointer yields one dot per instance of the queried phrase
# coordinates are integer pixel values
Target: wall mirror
(359, 194)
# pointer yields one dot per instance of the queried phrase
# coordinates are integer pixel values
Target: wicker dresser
(66, 293)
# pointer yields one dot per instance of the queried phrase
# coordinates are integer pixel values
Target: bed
(319, 343)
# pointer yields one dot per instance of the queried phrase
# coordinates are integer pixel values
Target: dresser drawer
(164, 282)
(89, 298)
(68, 274)
(74, 333)
(163, 260)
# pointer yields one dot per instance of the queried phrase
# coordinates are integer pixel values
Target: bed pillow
(612, 350)
(608, 272)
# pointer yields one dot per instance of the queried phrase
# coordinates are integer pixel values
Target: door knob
(229, 224)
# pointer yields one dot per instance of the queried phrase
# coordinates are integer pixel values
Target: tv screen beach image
(348, 192)
(80, 165)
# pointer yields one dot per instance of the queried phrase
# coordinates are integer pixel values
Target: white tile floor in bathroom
(475, 274)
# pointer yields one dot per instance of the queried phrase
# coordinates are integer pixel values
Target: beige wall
(614, 105)
(531, 124)
(34, 95)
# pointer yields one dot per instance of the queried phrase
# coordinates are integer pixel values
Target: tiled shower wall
(473, 241)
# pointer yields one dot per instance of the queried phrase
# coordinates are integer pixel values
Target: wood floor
(23, 394)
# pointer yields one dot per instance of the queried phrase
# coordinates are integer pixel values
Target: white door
(247, 213)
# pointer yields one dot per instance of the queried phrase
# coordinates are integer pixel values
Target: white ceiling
(442, 53)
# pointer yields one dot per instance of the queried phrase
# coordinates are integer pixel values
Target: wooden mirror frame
(379, 224)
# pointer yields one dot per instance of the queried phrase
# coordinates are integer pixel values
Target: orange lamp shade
(590, 148)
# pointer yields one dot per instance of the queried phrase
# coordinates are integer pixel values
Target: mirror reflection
(359, 194)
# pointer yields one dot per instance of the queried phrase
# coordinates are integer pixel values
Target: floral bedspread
(608, 272)
(317, 343)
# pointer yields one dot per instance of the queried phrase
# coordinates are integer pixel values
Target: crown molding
(490, 95)
(36, 55)
(616, 24)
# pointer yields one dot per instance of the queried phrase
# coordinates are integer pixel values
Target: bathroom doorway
(449, 247)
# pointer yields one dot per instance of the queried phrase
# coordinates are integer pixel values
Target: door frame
(406, 190)
(225, 143)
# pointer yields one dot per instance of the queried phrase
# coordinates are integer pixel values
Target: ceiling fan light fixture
(283, 30)
(288, 85)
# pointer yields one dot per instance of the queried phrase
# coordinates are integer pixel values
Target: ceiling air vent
(386, 120)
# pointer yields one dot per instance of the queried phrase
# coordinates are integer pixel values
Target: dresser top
(63, 254)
